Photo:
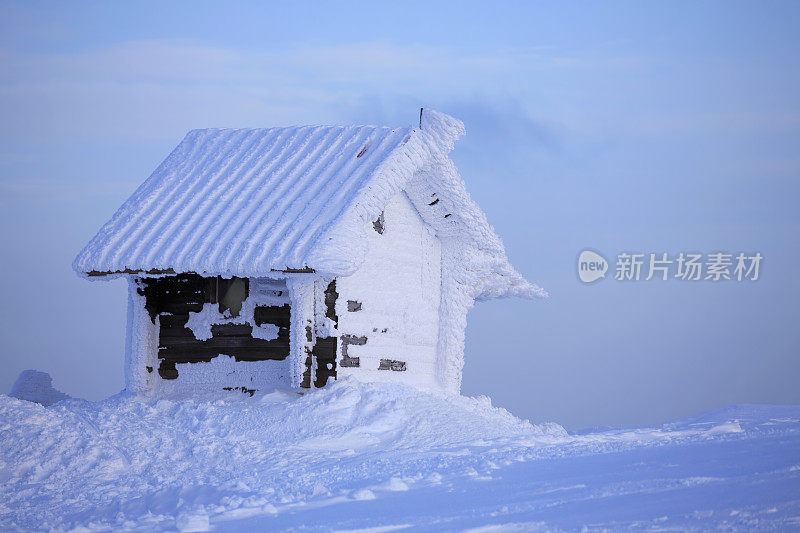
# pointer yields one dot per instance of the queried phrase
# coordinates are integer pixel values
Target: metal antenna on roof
(420, 117)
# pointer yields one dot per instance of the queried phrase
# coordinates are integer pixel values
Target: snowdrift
(132, 461)
(35, 386)
(356, 455)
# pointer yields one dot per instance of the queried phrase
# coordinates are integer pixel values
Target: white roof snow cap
(247, 202)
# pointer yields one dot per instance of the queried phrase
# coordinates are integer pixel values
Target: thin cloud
(138, 87)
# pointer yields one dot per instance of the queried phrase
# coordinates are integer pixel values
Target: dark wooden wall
(325, 353)
(172, 298)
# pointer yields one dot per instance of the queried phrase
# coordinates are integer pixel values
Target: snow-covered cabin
(289, 256)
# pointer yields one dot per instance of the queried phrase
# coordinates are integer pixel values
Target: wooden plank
(330, 303)
(203, 353)
(391, 364)
(272, 314)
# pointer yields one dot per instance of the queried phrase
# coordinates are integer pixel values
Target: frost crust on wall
(200, 323)
(389, 308)
(224, 372)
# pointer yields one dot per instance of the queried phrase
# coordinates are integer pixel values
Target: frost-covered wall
(474, 263)
(388, 310)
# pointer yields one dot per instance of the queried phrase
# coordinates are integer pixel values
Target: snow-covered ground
(385, 457)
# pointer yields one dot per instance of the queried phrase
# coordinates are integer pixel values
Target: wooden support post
(302, 336)
(141, 343)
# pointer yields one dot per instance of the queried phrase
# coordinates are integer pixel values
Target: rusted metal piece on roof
(362, 151)
(379, 223)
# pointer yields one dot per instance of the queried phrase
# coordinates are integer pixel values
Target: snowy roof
(246, 202)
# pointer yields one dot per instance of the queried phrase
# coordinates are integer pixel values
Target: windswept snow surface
(384, 457)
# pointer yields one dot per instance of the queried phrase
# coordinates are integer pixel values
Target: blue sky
(615, 126)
